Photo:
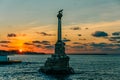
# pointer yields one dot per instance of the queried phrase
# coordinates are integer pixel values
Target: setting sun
(20, 50)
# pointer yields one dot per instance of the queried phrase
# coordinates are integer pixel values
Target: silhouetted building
(3, 56)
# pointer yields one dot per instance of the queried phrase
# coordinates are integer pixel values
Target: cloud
(79, 34)
(39, 46)
(66, 40)
(5, 42)
(111, 39)
(95, 46)
(118, 41)
(45, 42)
(36, 42)
(11, 35)
(27, 43)
(82, 39)
(105, 46)
(98, 45)
(77, 47)
(86, 28)
(45, 34)
(75, 28)
(42, 44)
(115, 37)
(67, 45)
(116, 34)
(100, 34)
(76, 43)
(49, 47)
(5, 46)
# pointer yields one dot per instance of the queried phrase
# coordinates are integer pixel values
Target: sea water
(86, 67)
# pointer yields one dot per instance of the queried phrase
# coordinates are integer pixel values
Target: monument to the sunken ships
(58, 63)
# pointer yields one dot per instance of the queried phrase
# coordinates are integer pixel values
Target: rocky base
(57, 64)
(50, 70)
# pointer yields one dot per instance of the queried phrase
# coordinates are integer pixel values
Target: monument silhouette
(58, 63)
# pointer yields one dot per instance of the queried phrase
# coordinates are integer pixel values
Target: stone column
(59, 46)
(59, 16)
(59, 30)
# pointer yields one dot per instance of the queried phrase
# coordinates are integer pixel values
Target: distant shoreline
(14, 52)
(89, 54)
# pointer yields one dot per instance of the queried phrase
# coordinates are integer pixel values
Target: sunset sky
(88, 25)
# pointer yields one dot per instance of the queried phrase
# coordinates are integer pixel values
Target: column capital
(60, 14)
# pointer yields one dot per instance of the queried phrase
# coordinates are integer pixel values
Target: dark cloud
(39, 46)
(66, 40)
(65, 34)
(49, 47)
(75, 28)
(11, 35)
(111, 39)
(86, 28)
(36, 42)
(100, 34)
(116, 34)
(42, 44)
(76, 43)
(27, 43)
(115, 38)
(78, 47)
(5, 42)
(79, 34)
(98, 45)
(111, 48)
(117, 45)
(105, 46)
(45, 42)
(107, 49)
(67, 45)
(118, 41)
(45, 34)
(82, 39)
(5, 46)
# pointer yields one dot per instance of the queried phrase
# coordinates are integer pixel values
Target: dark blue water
(87, 67)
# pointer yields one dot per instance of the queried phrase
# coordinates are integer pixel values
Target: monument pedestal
(58, 63)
